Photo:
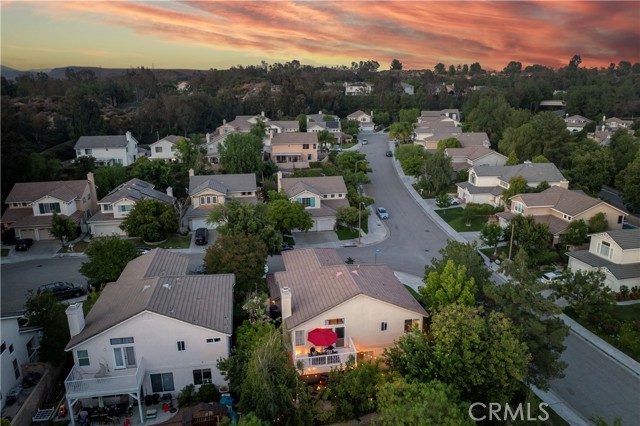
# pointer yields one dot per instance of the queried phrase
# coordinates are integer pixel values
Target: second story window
(305, 146)
(125, 208)
(46, 208)
(307, 202)
(107, 207)
(518, 207)
(158, 149)
(88, 151)
(605, 250)
(208, 199)
(83, 358)
(181, 346)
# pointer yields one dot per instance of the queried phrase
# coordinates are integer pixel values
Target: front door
(125, 357)
(340, 332)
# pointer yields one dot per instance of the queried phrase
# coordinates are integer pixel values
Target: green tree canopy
(512, 159)
(576, 233)
(108, 178)
(628, 181)
(46, 311)
(529, 235)
(591, 170)
(190, 152)
(353, 390)
(517, 185)
(436, 174)
(598, 223)
(151, 219)
(157, 172)
(352, 216)
(584, 291)
(108, 257)
(409, 115)
(396, 65)
(513, 67)
(241, 153)
(63, 228)
(490, 234)
(462, 254)
(448, 287)
(401, 130)
(286, 216)
(448, 143)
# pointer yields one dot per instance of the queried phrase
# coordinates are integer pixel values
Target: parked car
(24, 244)
(286, 246)
(143, 250)
(382, 213)
(201, 236)
(200, 269)
(454, 201)
(337, 148)
(549, 277)
(365, 142)
(62, 290)
(388, 154)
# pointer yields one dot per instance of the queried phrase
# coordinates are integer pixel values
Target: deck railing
(82, 384)
(323, 363)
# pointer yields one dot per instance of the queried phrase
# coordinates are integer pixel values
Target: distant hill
(59, 73)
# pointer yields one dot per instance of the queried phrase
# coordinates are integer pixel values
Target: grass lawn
(347, 145)
(453, 217)
(78, 247)
(345, 233)
(624, 314)
(4, 252)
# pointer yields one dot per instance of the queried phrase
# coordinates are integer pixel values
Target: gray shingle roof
(627, 239)
(319, 185)
(135, 190)
(468, 139)
(157, 282)
(117, 141)
(563, 200)
(65, 190)
(223, 183)
(621, 272)
(294, 138)
(319, 280)
(532, 172)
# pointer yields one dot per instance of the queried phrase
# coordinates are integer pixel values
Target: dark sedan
(24, 244)
(62, 290)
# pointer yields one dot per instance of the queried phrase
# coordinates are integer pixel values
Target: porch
(323, 361)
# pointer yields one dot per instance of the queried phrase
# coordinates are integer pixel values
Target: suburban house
(283, 126)
(164, 148)
(155, 330)
(449, 113)
(474, 156)
(321, 197)
(576, 123)
(20, 344)
(360, 88)
(366, 307)
(241, 124)
(428, 137)
(365, 120)
(558, 207)
(616, 253)
(31, 206)
(471, 139)
(486, 183)
(212, 144)
(117, 204)
(615, 123)
(108, 150)
(407, 88)
(294, 150)
(208, 191)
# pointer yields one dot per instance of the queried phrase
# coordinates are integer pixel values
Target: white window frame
(83, 357)
(299, 337)
(518, 207)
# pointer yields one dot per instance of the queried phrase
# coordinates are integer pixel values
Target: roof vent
(338, 274)
(146, 286)
(355, 272)
(167, 286)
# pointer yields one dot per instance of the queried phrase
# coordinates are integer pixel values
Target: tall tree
(448, 287)
(108, 178)
(401, 130)
(462, 254)
(354, 389)
(448, 143)
(628, 181)
(46, 311)
(517, 185)
(576, 233)
(63, 228)
(592, 169)
(286, 216)
(513, 68)
(623, 148)
(490, 234)
(108, 257)
(598, 223)
(241, 153)
(150, 219)
(439, 68)
(585, 291)
(396, 65)
(437, 173)
(159, 173)
(531, 236)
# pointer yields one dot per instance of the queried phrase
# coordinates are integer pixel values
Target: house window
(162, 382)
(299, 337)
(307, 202)
(411, 323)
(315, 146)
(121, 340)
(334, 321)
(158, 149)
(88, 151)
(605, 250)
(107, 207)
(518, 207)
(125, 208)
(620, 218)
(310, 157)
(383, 326)
(324, 196)
(305, 146)
(10, 349)
(472, 178)
(78, 152)
(566, 217)
(208, 199)
(213, 340)
(46, 208)
(201, 377)
(3, 347)
(16, 369)
(333, 195)
(181, 345)
(503, 184)
(83, 358)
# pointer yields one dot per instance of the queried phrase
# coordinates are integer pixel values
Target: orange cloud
(420, 34)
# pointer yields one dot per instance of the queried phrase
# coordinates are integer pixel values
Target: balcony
(323, 363)
(80, 383)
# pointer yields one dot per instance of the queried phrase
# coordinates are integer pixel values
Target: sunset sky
(221, 34)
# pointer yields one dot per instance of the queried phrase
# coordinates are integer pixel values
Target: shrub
(629, 339)
(611, 327)
(187, 396)
(208, 393)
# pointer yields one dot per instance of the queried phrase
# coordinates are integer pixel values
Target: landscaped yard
(345, 233)
(454, 217)
(622, 323)
(175, 241)
(77, 247)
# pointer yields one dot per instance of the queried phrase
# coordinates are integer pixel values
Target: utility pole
(359, 221)
(511, 241)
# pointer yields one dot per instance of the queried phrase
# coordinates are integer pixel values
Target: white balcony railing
(324, 363)
(83, 384)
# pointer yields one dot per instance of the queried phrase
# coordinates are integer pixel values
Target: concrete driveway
(39, 250)
(326, 239)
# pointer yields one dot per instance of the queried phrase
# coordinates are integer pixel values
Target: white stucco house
(321, 197)
(576, 123)
(116, 205)
(19, 346)
(407, 88)
(164, 148)
(108, 150)
(365, 120)
(155, 330)
(208, 191)
(357, 89)
(365, 305)
(474, 156)
(616, 253)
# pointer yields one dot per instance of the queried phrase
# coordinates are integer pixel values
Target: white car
(365, 142)
(382, 213)
(454, 201)
(549, 277)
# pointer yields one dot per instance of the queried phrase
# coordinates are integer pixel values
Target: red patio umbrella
(322, 336)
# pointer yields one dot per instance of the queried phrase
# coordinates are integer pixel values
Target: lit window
(411, 323)
(334, 321)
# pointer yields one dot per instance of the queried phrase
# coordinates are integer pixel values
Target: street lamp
(359, 221)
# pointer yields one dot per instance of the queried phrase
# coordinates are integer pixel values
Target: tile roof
(494, 190)
(136, 189)
(294, 138)
(532, 172)
(468, 139)
(245, 182)
(620, 271)
(32, 191)
(291, 124)
(117, 141)
(319, 185)
(627, 239)
(356, 114)
(319, 280)
(157, 282)
(563, 200)
(170, 139)
(471, 152)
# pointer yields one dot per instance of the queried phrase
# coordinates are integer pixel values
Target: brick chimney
(285, 302)
(75, 318)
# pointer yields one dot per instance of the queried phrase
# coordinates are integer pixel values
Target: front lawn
(618, 325)
(4, 252)
(347, 145)
(77, 247)
(345, 233)
(454, 217)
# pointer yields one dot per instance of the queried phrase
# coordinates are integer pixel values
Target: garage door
(45, 234)
(103, 230)
(201, 223)
(325, 224)
(27, 233)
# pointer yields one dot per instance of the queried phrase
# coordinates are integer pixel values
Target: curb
(561, 408)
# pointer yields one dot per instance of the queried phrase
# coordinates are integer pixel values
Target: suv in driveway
(62, 290)
(24, 244)
(382, 213)
(201, 236)
(550, 277)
